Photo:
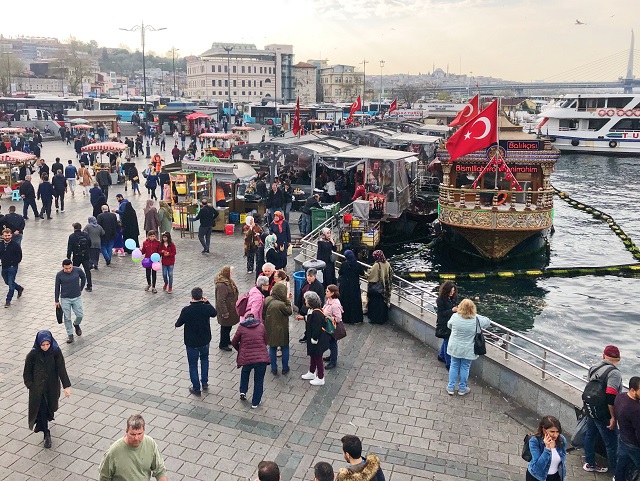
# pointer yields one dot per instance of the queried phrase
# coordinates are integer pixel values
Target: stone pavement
(388, 388)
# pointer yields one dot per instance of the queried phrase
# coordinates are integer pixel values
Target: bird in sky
(578, 22)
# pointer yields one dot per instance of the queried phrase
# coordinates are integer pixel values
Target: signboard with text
(521, 144)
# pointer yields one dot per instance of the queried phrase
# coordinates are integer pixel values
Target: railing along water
(547, 361)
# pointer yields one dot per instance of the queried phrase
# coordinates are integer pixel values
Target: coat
(151, 220)
(250, 341)
(226, 299)
(276, 320)
(350, 293)
(166, 223)
(462, 333)
(315, 287)
(255, 303)
(95, 233)
(42, 376)
(445, 311)
(325, 249)
(314, 331)
(370, 470)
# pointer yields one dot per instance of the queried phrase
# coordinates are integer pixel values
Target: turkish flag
(296, 119)
(478, 133)
(467, 113)
(394, 105)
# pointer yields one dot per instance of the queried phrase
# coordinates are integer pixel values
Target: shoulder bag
(377, 287)
(479, 344)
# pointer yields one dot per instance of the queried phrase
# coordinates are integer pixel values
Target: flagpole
(497, 137)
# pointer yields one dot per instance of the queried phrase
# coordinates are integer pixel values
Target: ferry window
(568, 124)
(627, 124)
(618, 102)
(569, 103)
(582, 104)
(597, 124)
(600, 103)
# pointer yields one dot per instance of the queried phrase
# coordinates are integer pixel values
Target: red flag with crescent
(296, 128)
(467, 113)
(394, 106)
(355, 106)
(478, 133)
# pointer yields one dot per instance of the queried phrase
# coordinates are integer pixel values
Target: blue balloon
(130, 244)
(155, 257)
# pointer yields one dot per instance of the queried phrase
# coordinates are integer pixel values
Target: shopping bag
(577, 440)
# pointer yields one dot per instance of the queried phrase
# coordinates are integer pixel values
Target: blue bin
(298, 280)
(234, 217)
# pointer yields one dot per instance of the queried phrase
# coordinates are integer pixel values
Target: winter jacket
(109, 222)
(226, 299)
(150, 247)
(95, 233)
(27, 190)
(368, 470)
(255, 303)
(276, 319)
(462, 333)
(103, 177)
(314, 332)
(170, 258)
(196, 318)
(316, 287)
(445, 311)
(250, 341)
(334, 309)
(94, 194)
(59, 184)
(541, 457)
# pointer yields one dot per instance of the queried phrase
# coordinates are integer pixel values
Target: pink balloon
(156, 266)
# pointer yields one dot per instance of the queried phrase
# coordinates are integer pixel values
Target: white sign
(409, 114)
(208, 167)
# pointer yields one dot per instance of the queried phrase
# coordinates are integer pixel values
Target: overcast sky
(522, 40)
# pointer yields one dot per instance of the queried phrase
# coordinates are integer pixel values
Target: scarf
(149, 206)
(249, 221)
(351, 258)
(325, 234)
(93, 221)
(278, 219)
(269, 242)
(378, 255)
(167, 209)
(42, 336)
(224, 276)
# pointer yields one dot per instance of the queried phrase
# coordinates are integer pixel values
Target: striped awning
(104, 147)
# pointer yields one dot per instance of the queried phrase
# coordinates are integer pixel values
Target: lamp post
(380, 97)
(143, 28)
(228, 49)
(364, 78)
(173, 54)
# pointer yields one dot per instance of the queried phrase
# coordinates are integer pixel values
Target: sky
(522, 40)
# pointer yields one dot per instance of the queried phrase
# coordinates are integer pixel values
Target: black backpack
(594, 396)
(83, 244)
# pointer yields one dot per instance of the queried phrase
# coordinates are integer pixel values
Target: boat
(497, 203)
(594, 123)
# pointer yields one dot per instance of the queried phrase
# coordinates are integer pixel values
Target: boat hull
(606, 146)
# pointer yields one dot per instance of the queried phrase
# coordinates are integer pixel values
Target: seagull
(578, 22)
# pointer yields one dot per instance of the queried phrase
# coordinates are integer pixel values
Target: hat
(612, 351)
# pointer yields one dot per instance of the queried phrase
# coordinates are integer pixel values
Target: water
(580, 315)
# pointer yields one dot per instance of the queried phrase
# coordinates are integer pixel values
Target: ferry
(594, 123)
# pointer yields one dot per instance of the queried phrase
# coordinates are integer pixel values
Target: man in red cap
(603, 421)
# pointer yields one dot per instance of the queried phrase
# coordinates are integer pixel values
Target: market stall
(222, 143)
(9, 165)
(243, 131)
(111, 148)
(5, 133)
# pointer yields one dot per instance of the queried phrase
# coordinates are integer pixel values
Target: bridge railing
(548, 362)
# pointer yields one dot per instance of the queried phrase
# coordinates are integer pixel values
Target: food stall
(5, 134)
(109, 147)
(9, 164)
(243, 131)
(221, 151)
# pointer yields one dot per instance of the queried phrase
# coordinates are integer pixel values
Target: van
(32, 114)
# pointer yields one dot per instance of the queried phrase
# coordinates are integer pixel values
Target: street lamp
(173, 54)
(364, 78)
(228, 49)
(380, 97)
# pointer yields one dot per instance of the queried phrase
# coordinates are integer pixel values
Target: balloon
(156, 266)
(130, 244)
(137, 254)
(155, 257)
(136, 260)
(146, 262)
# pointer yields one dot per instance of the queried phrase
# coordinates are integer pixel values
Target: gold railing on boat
(495, 199)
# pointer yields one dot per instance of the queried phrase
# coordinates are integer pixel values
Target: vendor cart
(9, 164)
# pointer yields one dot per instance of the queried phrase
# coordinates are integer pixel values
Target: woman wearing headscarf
(95, 232)
(280, 227)
(130, 229)
(349, 287)
(44, 370)
(165, 216)
(251, 242)
(316, 337)
(151, 219)
(276, 320)
(226, 298)
(379, 286)
(255, 298)
(97, 207)
(272, 252)
(326, 247)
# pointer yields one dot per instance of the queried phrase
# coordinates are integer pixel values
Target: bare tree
(74, 64)
(10, 68)
(409, 94)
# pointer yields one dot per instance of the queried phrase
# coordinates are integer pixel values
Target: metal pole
(8, 75)
(364, 78)
(380, 97)
(174, 73)
(228, 49)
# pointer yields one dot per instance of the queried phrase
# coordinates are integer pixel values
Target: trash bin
(317, 265)
(298, 279)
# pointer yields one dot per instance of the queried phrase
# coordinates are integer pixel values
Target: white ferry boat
(603, 123)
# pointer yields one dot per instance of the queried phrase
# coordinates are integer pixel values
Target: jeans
(71, 182)
(628, 459)
(287, 210)
(204, 235)
(25, 207)
(60, 201)
(167, 275)
(305, 223)
(443, 352)
(86, 265)
(333, 351)
(107, 249)
(258, 381)
(17, 239)
(273, 355)
(459, 367)
(67, 304)
(193, 353)
(610, 438)
(225, 336)
(135, 186)
(9, 277)
(316, 365)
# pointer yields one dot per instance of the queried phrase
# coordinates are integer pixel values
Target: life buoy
(501, 197)
(636, 112)
(620, 112)
(602, 113)
(610, 113)
(629, 113)
(613, 144)
(575, 142)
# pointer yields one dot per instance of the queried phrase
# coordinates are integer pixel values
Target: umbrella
(12, 130)
(104, 147)
(16, 156)
(197, 115)
(244, 171)
(243, 129)
(83, 127)
(78, 121)
(219, 135)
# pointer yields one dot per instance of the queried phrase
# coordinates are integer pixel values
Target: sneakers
(243, 396)
(450, 392)
(194, 392)
(78, 330)
(594, 469)
(146, 289)
(154, 290)
(169, 290)
(164, 288)
(88, 289)
(7, 304)
(285, 371)
(330, 365)
(274, 372)
(326, 358)
(308, 376)
(205, 387)
(69, 338)
(464, 392)
(317, 382)
(255, 406)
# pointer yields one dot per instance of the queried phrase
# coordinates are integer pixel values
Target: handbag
(479, 344)
(290, 250)
(376, 287)
(59, 314)
(340, 332)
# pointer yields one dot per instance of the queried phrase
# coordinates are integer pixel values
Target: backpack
(595, 398)
(83, 244)
(241, 304)
(329, 324)
(526, 450)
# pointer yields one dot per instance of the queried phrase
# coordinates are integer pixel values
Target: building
(32, 48)
(340, 83)
(29, 84)
(285, 81)
(305, 82)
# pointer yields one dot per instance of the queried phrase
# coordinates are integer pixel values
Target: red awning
(197, 115)
(16, 156)
(104, 147)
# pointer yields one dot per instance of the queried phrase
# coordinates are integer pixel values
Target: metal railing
(550, 363)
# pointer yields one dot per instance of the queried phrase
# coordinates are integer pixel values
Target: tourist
(267, 470)
(280, 227)
(548, 452)
(71, 174)
(149, 247)
(627, 414)
(168, 254)
(379, 285)
(323, 472)
(207, 217)
(226, 298)
(251, 241)
(313, 202)
(84, 174)
(109, 223)
(255, 298)
(196, 318)
(95, 232)
(10, 257)
(129, 220)
(165, 215)
(79, 244)
(15, 222)
(364, 469)
(44, 370)
(135, 457)
(607, 369)
(312, 284)
(317, 338)
(28, 194)
(277, 311)
(68, 295)
(151, 218)
(463, 324)
(446, 306)
(333, 308)
(349, 286)
(59, 183)
(271, 251)
(326, 249)
(250, 341)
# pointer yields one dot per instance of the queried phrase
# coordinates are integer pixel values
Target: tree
(409, 94)
(74, 65)
(10, 68)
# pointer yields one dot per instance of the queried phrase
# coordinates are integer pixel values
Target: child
(118, 244)
(168, 253)
(151, 246)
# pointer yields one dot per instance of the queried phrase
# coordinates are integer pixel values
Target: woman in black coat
(349, 288)
(326, 247)
(446, 304)
(97, 208)
(44, 370)
(280, 228)
(130, 228)
(317, 339)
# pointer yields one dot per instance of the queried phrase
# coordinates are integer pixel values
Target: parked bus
(260, 114)
(123, 108)
(56, 106)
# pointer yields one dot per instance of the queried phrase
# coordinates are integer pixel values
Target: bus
(260, 114)
(123, 108)
(56, 106)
